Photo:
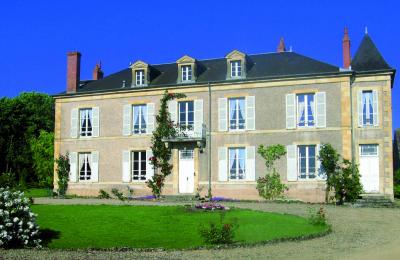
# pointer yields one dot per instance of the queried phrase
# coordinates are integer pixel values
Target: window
(368, 150)
(236, 68)
(237, 165)
(85, 171)
(186, 114)
(305, 110)
(138, 160)
(187, 73)
(140, 77)
(367, 108)
(139, 119)
(85, 122)
(236, 114)
(306, 161)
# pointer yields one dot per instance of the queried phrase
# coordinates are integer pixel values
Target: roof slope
(258, 66)
(368, 58)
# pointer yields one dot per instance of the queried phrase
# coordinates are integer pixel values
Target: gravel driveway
(358, 233)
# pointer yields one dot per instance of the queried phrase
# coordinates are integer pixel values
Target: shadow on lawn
(47, 235)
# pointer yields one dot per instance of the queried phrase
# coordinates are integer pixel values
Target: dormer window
(236, 69)
(140, 74)
(140, 77)
(186, 70)
(236, 65)
(186, 73)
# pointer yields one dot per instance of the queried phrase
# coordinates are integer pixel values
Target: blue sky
(35, 35)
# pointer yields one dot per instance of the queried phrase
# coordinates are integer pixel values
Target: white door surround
(186, 171)
(369, 167)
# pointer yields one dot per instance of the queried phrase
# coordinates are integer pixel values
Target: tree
(42, 149)
(161, 152)
(270, 186)
(343, 177)
(21, 120)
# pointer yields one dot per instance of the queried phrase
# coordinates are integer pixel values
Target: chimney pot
(97, 72)
(346, 49)
(281, 46)
(73, 71)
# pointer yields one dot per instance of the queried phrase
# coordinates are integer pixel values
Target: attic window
(236, 69)
(139, 75)
(186, 73)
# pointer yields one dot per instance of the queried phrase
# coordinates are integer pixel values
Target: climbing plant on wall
(161, 152)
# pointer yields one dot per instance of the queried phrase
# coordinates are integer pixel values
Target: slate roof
(368, 58)
(269, 65)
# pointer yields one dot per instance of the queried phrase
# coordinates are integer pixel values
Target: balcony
(187, 134)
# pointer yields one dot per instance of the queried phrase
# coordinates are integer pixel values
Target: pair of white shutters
(223, 167)
(375, 108)
(292, 162)
(198, 113)
(75, 122)
(250, 115)
(320, 110)
(127, 165)
(74, 171)
(127, 119)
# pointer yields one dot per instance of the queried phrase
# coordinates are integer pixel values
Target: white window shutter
(222, 164)
(198, 117)
(360, 108)
(290, 111)
(95, 166)
(222, 114)
(150, 118)
(95, 121)
(173, 108)
(320, 172)
(250, 113)
(250, 163)
(127, 118)
(291, 162)
(320, 100)
(149, 166)
(73, 167)
(126, 166)
(74, 122)
(375, 107)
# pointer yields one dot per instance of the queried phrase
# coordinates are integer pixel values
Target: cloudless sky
(36, 35)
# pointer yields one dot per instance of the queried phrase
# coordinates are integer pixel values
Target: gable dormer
(186, 69)
(236, 65)
(140, 74)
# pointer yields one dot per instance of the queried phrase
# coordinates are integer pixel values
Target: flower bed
(211, 206)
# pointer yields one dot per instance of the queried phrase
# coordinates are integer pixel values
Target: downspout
(209, 141)
(352, 78)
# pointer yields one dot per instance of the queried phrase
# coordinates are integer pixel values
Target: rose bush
(18, 226)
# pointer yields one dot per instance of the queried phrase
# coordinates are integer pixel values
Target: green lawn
(38, 192)
(105, 226)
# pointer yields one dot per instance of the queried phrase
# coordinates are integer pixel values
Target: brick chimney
(281, 46)
(346, 49)
(73, 71)
(97, 72)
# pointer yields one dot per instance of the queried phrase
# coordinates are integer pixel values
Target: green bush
(118, 194)
(270, 187)
(7, 179)
(396, 183)
(63, 174)
(218, 233)
(104, 195)
(317, 217)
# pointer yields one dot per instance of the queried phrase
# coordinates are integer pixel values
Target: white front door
(369, 167)
(186, 171)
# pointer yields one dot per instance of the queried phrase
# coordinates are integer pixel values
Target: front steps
(373, 201)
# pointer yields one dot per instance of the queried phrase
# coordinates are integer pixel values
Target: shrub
(7, 179)
(218, 233)
(18, 226)
(270, 187)
(318, 217)
(118, 194)
(396, 182)
(63, 174)
(104, 195)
